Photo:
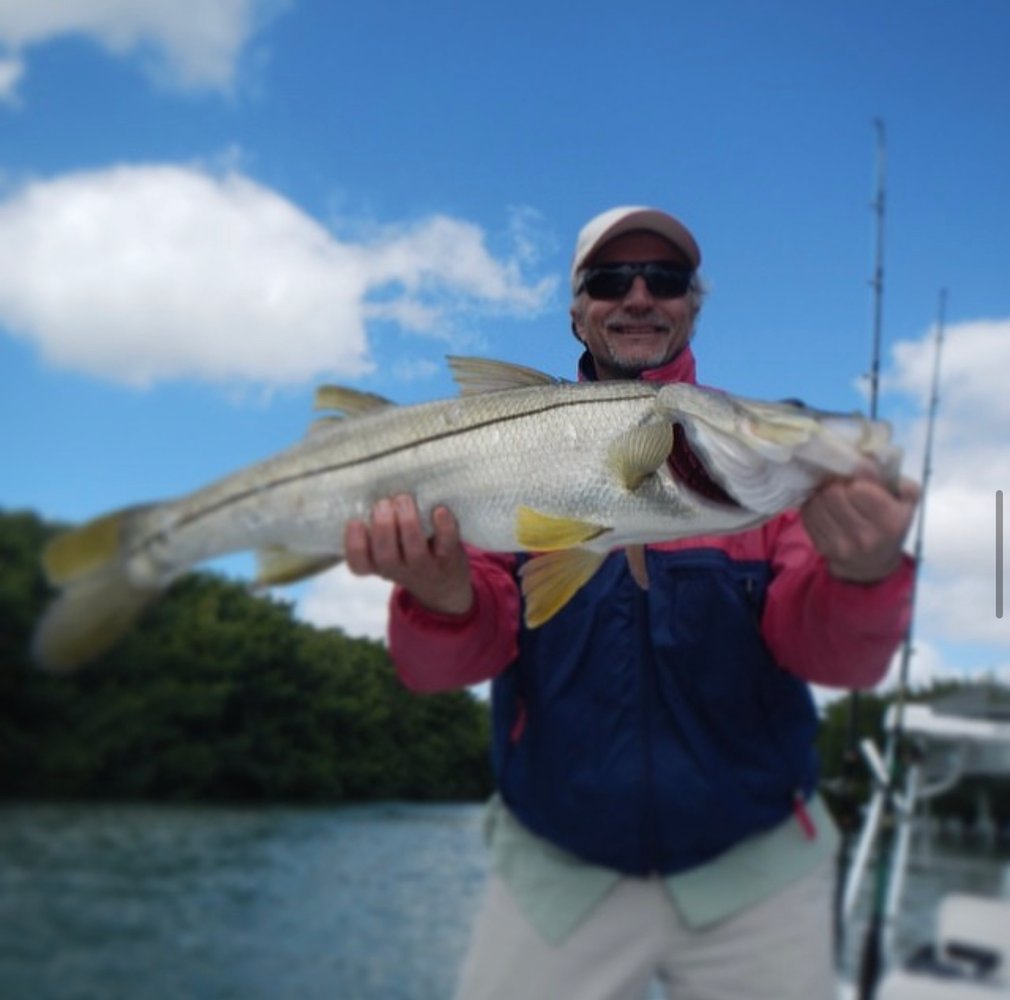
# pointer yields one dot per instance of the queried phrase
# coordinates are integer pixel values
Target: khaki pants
(778, 949)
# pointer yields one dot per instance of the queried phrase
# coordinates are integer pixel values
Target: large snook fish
(569, 471)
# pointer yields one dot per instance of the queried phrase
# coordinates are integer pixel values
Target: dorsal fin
(353, 402)
(476, 375)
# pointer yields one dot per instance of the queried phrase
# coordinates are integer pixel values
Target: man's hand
(393, 545)
(859, 526)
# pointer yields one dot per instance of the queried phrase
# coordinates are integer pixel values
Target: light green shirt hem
(556, 891)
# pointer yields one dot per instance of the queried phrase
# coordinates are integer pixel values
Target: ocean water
(171, 903)
(161, 902)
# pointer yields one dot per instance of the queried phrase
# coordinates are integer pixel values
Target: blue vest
(648, 731)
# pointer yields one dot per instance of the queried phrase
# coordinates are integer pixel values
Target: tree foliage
(219, 694)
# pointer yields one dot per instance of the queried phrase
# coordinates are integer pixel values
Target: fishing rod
(887, 888)
(877, 281)
(847, 806)
(927, 471)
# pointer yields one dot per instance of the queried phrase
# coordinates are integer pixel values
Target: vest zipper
(647, 669)
(750, 592)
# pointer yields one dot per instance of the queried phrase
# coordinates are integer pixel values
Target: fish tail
(98, 602)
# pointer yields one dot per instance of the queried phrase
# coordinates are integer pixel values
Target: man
(656, 814)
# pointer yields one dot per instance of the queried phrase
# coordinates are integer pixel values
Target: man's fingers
(909, 490)
(445, 543)
(393, 543)
(385, 542)
(357, 552)
(413, 542)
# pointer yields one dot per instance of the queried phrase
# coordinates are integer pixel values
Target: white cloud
(970, 462)
(532, 241)
(142, 273)
(975, 357)
(358, 605)
(11, 70)
(464, 266)
(188, 44)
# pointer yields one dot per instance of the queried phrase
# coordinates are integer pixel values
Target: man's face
(630, 335)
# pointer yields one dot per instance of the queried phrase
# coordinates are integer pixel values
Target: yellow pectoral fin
(551, 580)
(541, 532)
(277, 566)
(639, 452)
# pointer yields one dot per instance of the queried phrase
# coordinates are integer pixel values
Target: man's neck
(679, 369)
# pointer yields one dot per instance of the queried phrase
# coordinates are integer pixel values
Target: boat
(961, 736)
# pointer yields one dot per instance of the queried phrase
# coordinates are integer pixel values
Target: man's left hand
(859, 526)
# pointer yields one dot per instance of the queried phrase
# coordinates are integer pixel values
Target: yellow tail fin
(99, 603)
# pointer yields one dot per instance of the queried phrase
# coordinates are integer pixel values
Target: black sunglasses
(612, 281)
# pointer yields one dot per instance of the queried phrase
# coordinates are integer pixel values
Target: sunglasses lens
(611, 283)
(667, 282)
(608, 284)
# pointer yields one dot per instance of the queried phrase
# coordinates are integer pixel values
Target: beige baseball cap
(626, 219)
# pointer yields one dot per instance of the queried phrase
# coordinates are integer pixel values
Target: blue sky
(208, 207)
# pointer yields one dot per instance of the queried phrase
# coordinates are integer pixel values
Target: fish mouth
(690, 471)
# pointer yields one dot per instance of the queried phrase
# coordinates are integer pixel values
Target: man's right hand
(393, 545)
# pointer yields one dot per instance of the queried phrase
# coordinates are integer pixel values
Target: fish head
(767, 457)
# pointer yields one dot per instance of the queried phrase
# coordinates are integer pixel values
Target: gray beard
(632, 369)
